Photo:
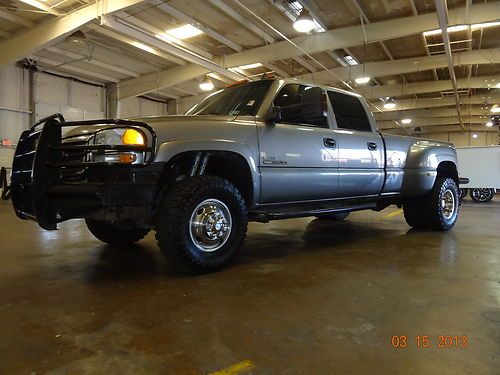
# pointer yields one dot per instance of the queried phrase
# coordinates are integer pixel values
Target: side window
(291, 100)
(349, 112)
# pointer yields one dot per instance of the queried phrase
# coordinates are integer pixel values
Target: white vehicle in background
(481, 165)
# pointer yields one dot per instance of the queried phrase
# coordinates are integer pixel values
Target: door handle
(329, 142)
(372, 146)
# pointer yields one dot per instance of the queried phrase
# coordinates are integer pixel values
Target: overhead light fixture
(78, 37)
(390, 104)
(206, 84)
(35, 4)
(350, 60)
(489, 124)
(362, 80)
(497, 85)
(474, 135)
(452, 29)
(250, 66)
(304, 22)
(495, 109)
(184, 32)
(406, 121)
(143, 46)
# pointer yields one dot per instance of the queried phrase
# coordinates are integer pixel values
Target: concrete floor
(304, 297)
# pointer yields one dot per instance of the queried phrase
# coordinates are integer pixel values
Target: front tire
(438, 210)
(114, 234)
(201, 224)
(482, 195)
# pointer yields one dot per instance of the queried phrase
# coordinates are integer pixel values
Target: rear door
(298, 155)
(361, 150)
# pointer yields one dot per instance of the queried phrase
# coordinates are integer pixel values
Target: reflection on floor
(304, 297)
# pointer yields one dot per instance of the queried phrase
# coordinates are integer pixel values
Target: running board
(264, 215)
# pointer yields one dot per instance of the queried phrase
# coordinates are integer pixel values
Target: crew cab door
(298, 153)
(361, 149)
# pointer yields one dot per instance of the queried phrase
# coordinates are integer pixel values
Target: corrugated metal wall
(74, 99)
(14, 108)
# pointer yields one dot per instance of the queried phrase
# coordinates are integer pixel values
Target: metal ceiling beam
(11, 16)
(410, 104)
(431, 113)
(353, 36)
(430, 122)
(171, 40)
(92, 61)
(56, 29)
(395, 91)
(134, 43)
(268, 39)
(142, 36)
(315, 43)
(409, 65)
(53, 64)
(167, 8)
(442, 13)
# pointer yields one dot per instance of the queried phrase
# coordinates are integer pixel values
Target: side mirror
(275, 114)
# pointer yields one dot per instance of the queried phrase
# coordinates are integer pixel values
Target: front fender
(168, 150)
(421, 167)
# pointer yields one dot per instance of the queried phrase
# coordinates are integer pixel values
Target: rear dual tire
(438, 210)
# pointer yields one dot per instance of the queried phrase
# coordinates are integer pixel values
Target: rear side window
(349, 112)
(290, 99)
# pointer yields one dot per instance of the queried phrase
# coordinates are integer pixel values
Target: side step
(265, 214)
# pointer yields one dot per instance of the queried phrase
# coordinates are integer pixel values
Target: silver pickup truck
(255, 151)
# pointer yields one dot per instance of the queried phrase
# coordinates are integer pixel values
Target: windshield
(238, 100)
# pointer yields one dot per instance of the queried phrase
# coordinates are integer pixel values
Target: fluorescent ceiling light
(250, 66)
(406, 120)
(143, 46)
(184, 32)
(495, 109)
(475, 26)
(474, 135)
(489, 124)
(497, 85)
(362, 80)
(350, 60)
(36, 4)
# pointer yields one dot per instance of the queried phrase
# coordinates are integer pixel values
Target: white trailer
(481, 165)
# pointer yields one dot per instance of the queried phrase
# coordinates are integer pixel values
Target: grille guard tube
(38, 162)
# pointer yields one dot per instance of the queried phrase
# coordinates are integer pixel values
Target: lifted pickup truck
(262, 150)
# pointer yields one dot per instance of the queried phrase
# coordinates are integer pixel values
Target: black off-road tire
(338, 216)
(114, 234)
(483, 195)
(173, 224)
(427, 212)
(413, 213)
(463, 192)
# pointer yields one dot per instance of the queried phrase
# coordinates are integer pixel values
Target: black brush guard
(38, 191)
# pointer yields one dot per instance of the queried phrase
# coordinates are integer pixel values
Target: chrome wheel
(210, 225)
(448, 204)
(482, 195)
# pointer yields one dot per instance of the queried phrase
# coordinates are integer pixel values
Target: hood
(170, 128)
(86, 131)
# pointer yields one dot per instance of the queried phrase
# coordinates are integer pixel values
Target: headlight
(120, 136)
